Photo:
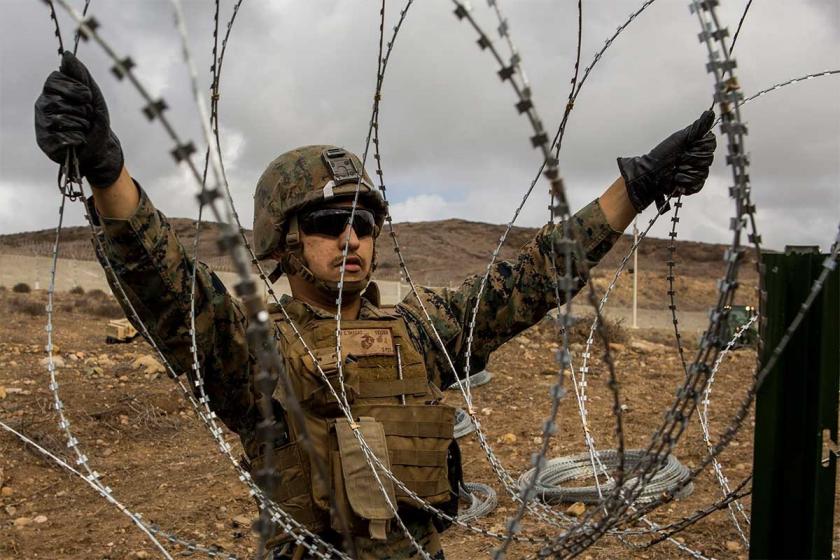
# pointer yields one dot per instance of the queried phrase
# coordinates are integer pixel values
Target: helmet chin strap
(293, 262)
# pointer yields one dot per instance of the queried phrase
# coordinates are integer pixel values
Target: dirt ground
(140, 434)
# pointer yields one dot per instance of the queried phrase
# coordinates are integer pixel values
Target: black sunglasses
(333, 221)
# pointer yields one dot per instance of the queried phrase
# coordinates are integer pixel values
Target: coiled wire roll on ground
(482, 500)
(463, 424)
(576, 467)
(475, 380)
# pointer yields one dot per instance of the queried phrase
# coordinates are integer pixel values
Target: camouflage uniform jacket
(155, 272)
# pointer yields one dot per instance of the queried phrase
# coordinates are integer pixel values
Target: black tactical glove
(71, 112)
(680, 164)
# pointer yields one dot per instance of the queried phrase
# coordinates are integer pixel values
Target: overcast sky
(452, 143)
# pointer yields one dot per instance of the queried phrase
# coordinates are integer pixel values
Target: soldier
(393, 366)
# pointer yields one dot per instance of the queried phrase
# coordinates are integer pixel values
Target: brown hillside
(443, 253)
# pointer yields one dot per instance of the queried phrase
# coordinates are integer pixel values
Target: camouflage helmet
(303, 177)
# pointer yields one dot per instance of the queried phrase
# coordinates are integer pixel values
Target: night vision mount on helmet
(299, 180)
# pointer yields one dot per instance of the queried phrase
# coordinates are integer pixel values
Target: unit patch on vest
(367, 342)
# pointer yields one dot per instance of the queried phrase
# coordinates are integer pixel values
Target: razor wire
(580, 389)
(368, 452)
(378, 171)
(588, 69)
(181, 153)
(703, 416)
(69, 184)
(403, 267)
(373, 462)
(497, 467)
(829, 265)
(557, 471)
(215, 431)
(463, 424)
(259, 335)
(480, 505)
(676, 418)
(345, 255)
(672, 291)
(92, 477)
(147, 528)
(475, 380)
(724, 92)
(539, 140)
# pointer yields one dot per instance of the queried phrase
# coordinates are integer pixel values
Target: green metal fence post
(796, 415)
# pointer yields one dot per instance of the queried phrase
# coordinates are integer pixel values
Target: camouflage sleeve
(517, 294)
(155, 271)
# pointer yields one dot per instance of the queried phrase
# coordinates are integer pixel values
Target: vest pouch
(361, 490)
(312, 388)
(418, 437)
(290, 487)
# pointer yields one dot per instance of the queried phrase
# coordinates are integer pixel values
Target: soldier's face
(323, 253)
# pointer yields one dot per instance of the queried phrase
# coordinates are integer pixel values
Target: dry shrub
(28, 307)
(21, 288)
(613, 328)
(99, 304)
(77, 290)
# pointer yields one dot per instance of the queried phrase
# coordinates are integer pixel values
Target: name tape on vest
(367, 342)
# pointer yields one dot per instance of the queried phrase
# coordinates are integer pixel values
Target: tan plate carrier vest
(412, 438)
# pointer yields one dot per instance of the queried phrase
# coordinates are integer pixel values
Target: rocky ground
(140, 434)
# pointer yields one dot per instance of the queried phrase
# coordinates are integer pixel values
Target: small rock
(487, 411)
(617, 347)
(40, 519)
(10, 510)
(123, 419)
(2, 393)
(645, 346)
(13, 364)
(576, 509)
(137, 555)
(149, 364)
(733, 546)
(508, 438)
(58, 361)
(241, 521)
(55, 348)
(6, 491)
(22, 522)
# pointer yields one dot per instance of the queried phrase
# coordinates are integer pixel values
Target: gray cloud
(453, 145)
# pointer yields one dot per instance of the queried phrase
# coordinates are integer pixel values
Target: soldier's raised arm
(519, 293)
(150, 263)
